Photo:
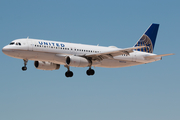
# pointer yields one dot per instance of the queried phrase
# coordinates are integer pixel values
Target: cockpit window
(12, 43)
(18, 43)
(15, 43)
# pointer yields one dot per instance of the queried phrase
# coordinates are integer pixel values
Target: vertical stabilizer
(148, 39)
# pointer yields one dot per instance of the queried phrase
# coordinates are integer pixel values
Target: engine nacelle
(76, 61)
(46, 65)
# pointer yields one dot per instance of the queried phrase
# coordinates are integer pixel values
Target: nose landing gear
(24, 68)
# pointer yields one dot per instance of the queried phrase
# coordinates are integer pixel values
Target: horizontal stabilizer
(155, 56)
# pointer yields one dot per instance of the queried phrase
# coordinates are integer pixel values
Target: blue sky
(141, 92)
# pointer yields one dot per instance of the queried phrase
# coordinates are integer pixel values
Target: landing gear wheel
(24, 68)
(90, 72)
(69, 74)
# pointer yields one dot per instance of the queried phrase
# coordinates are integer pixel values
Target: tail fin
(148, 39)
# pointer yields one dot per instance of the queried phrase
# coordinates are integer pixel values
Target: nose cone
(6, 50)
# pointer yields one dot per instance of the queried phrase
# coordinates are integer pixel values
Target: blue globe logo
(145, 41)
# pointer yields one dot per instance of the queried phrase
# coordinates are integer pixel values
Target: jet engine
(76, 61)
(41, 65)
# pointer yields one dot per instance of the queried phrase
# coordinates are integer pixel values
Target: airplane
(49, 55)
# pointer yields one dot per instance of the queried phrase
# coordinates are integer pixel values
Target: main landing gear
(69, 73)
(24, 68)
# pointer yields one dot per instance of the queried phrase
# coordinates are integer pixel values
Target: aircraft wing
(111, 54)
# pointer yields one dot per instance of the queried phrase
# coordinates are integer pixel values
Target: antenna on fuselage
(28, 37)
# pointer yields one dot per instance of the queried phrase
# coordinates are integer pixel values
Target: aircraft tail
(148, 39)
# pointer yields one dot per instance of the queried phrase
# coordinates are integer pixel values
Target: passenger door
(30, 45)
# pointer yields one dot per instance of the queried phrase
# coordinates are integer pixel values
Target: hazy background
(144, 92)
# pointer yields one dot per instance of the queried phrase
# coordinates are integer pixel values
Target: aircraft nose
(5, 50)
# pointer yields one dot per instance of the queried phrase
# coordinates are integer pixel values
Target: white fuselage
(56, 52)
